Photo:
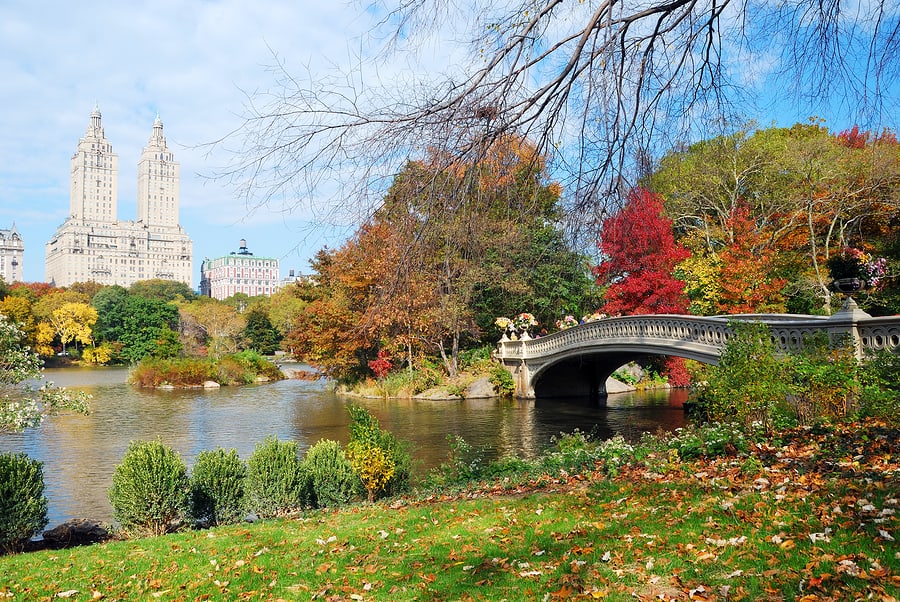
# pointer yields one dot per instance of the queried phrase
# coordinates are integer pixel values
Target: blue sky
(190, 62)
(193, 63)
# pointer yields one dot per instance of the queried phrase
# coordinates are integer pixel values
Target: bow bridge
(577, 361)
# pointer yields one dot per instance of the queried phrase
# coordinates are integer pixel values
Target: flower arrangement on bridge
(524, 321)
(855, 264)
(593, 317)
(567, 322)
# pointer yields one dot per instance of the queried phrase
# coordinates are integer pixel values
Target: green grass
(812, 517)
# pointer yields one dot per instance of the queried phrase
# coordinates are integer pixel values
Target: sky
(193, 63)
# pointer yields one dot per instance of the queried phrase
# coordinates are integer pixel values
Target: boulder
(211, 384)
(481, 389)
(76, 532)
(617, 386)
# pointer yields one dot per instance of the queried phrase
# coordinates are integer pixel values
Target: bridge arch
(578, 360)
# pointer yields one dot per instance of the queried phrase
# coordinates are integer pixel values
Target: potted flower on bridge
(855, 270)
(517, 327)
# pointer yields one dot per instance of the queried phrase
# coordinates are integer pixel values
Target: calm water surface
(80, 452)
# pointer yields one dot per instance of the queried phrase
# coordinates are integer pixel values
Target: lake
(80, 452)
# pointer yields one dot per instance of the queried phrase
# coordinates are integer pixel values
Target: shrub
(381, 461)
(230, 371)
(150, 489)
(880, 386)
(464, 462)
(277, 483)
(823, 380)
(614, 453)
(750, 384)
(153, 372)
(503, 381)
(258, 365)
(477, 358)
(571, 453)
(333, 481)
(708, 440)
(23, 506)
(218, 488)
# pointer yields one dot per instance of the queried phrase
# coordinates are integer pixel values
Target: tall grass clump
(23, 506)
(218, 482)
(333, 481)
(150, 490)
(277, 480)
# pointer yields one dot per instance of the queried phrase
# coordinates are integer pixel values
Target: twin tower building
(92, 244)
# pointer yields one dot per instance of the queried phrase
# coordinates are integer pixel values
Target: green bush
(476, 358)
(507, 466)
(218, 488)
(150, 490)
(824, 381)
(571, 453)
(277, 481)
(880, 386)
(503, 381)
(23, 507)
(381, 461)
(708, 440)
(333, 481)
(615, 453)
(750, 385)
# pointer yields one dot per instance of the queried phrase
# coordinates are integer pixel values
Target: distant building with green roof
(239, 272)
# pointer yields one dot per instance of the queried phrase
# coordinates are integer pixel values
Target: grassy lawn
(813, 517)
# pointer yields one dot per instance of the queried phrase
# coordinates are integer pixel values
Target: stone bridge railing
(693, 337)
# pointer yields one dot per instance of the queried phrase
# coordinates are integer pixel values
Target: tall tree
(259, 333)
(639, 255)
(73, 322)
(162, 290)
(804, 193)
(219, 324)
(421, 285)
(148, 328)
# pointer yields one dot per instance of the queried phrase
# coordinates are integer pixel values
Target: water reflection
(80, 452)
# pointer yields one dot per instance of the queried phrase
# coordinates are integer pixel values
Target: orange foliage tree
(747, 277)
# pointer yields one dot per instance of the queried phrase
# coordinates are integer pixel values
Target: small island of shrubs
(242, 368)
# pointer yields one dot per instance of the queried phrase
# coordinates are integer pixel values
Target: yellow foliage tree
(374, 467)
(73, 322)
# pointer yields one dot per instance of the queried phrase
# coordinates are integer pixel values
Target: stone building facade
(12, 249)
(239, 272)
(93, 245)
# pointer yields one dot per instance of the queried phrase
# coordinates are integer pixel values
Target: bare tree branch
(593, 84)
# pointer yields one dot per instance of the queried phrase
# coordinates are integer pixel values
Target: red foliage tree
(853, 138)
(639, 255)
